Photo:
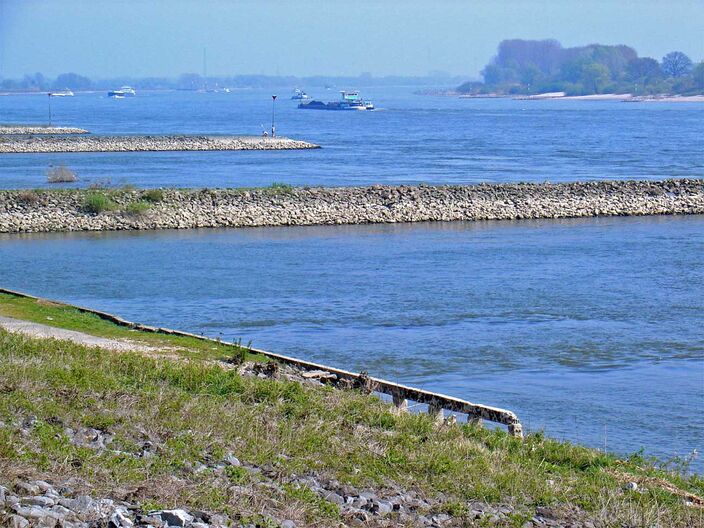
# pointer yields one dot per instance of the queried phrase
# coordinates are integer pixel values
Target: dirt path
(31, 329)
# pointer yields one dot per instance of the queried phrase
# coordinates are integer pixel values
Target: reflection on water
(591, 329)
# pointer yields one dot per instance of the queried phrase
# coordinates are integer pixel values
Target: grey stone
(360, 502)
(441, 518)
(73, 524)
(174, 517)
(232, 460)
(39, 500)
(288, 524)
(383, 507)
(334, 498)
(15, 521)
(225, 208)
(62, 511)
(43, 485)
(28, 489)
(119, 520)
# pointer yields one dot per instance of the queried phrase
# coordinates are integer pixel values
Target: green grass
(137, 208)
(197, 412)
(98, 202)
(153, 195)
(70, 318)
(279, 188)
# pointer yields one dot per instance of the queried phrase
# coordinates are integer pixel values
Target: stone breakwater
(23, 129)
(68, 143)
(44, 211)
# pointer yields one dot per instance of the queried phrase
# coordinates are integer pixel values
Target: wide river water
(591, 329)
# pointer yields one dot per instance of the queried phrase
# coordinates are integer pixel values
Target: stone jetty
(71, 143)
(43, 130)
(71, 210)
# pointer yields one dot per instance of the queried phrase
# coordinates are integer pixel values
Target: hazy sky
(104, 38)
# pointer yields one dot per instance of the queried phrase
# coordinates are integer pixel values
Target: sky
(164, 38)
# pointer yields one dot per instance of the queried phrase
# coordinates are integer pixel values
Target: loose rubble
(43, 504)
(26, 129)
(44, 211)
(71, 143)
(40, 504)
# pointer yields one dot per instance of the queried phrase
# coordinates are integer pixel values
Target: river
(591, 330)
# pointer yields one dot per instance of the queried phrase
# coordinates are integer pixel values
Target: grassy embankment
(197, 412)
(68, 317)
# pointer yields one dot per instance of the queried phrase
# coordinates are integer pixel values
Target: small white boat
(299, 95)
(61, 93)
(124, 91)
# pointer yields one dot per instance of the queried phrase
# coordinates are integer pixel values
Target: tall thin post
(205, 71)
(273, 115)
(49, 94)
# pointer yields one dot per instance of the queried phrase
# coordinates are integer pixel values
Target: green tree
(72, 81)
(594, 77)
(676, 64)
(698, 75)
(643, 69)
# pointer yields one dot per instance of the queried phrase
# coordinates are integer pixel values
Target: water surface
(590, 329)
(411, 139)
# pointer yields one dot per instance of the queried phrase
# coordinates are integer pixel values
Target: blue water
(592, 330)
(410, 139)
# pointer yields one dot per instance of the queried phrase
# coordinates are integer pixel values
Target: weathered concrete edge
(400, 393)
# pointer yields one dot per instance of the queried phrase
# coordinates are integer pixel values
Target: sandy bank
(615, 97)
(40, 211)
(68, 143)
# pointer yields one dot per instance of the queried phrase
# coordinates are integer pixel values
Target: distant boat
(300, 95)
(348, 101)
(62, 93)
(124, 91)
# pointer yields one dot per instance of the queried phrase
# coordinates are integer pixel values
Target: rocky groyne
(119, 209)
(71, 143)
(44, 130)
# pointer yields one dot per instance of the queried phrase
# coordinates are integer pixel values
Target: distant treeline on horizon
(543, 66)
(37, 82)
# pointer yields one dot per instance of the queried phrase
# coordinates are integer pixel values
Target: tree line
(541, 66)
(38, 82)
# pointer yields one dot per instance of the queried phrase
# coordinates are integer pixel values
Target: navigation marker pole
(49, 94)
(273, 115)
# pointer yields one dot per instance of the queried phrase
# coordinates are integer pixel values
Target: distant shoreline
(561, 96)
(132, 209)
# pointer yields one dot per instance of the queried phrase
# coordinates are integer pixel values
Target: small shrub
(237, 474)
(153, 195)
(61, 174)
(138, 208)
(281, 187)
(97, 203)
(103, 183)
(28, 197)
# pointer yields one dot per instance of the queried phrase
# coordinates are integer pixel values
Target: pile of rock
(66, 143)
(39, 504)
(41, 211)
(26, 129)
